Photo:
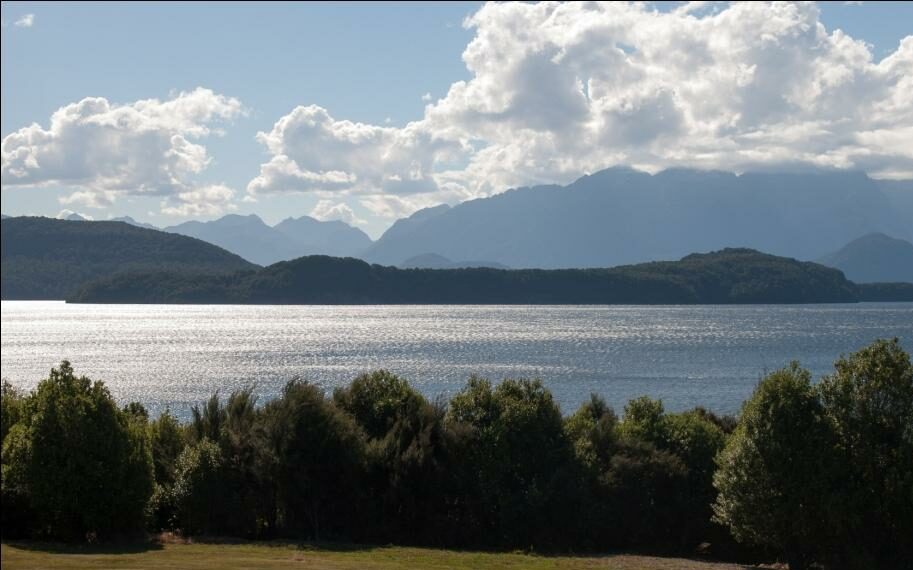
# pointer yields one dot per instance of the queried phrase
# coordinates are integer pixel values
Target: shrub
(773, 474)
(84, 466)
(869, 403)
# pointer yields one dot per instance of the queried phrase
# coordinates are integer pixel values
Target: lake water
(173, 355)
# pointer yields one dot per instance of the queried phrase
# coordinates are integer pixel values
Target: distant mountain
(334, 237)
(619, 216)
(132, 222)
(874, 258)
(3, 216)
(403, 227)
(44, 258)
(76, 217)
(254, 240)
(435, 261)
(728, 276)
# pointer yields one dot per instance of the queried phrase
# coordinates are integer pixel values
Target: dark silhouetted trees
(816, 475)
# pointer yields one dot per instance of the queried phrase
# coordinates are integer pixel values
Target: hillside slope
(43, 258)
(727, 276)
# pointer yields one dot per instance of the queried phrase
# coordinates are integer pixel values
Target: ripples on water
(173, 355)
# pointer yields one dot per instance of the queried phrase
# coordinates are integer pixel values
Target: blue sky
(370, 64)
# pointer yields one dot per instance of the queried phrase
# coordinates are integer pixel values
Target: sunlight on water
(167, 355)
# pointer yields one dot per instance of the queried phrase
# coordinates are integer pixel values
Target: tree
(643, 420)
(318, 453)
(376, 400)
(84, 465)
(168, 441)
(11, 408)
(521, 459)
(198, 489)
(772, 476)
(411, 465)
(869, 402)
(592, 430)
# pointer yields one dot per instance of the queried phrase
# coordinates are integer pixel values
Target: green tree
(772, 476)
(869, 402)
(198, 489)
(11, 407)
(522, 460)
(376, 400)
(318, 462)
(592, 430)
(168, 440)
(644, 420)
(410, 459)
(85, 466)
(246, 491)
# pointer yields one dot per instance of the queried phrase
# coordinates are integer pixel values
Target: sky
(367, 112)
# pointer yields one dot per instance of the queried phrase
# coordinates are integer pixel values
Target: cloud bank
(556, 90)
(107, 150)
(560, 89)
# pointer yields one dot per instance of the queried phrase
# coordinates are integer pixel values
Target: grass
(269, 556)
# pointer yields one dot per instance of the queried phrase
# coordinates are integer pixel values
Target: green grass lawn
(279, 556)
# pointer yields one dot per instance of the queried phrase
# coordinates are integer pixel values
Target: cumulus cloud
(210, 200)
(25, 21)
(106, 150)
(327, 210)
(314, 152)
(560, 89)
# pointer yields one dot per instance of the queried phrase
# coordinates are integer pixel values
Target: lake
(177, 355)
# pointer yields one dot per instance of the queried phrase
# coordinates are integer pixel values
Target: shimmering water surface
(167, 355)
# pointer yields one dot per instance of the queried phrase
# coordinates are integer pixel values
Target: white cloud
(426, 97)
(210, 200)
(327, 210)
(90, 199)
(25, 21)
(66, 213)
(560, 89)
(313, 152)
(107, 150)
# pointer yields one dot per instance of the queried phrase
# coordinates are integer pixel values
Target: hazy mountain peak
(251, 238)
(132, 222)
(621, 215)
(874, 257)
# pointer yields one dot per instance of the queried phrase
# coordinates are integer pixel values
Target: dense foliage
(886, 292)
(727, 276)
(825, 473)
(812, 474)
(44, 258)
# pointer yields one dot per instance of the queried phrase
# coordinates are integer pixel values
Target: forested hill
(43, 258)
(727, 276)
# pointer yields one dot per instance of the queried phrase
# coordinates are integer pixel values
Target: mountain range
(45, 258)
(254, 240)
(620, 216)
(613, 217)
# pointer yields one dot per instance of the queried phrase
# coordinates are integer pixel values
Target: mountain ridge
(732, 275)
(45, 258)
(621, 215)
(251, 238)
